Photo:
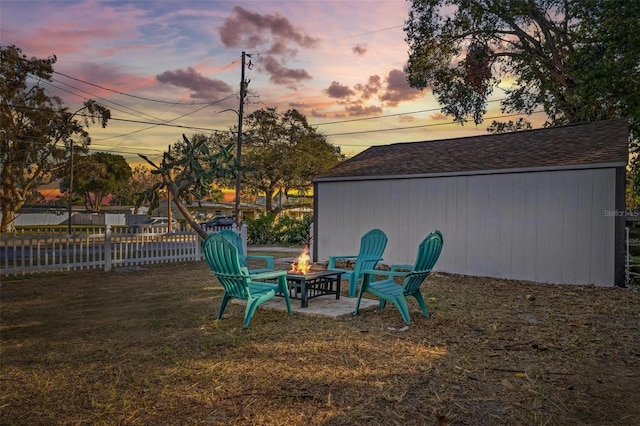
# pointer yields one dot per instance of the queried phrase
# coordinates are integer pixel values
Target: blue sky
(338, 62)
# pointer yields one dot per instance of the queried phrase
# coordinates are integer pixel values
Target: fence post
(627, 257)
(107, 248)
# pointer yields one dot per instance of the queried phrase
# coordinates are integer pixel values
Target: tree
(282, 151)
(141, 180)
(188, 171)
(510, 126)
(579, 59)
(95, 176)
(38, 131)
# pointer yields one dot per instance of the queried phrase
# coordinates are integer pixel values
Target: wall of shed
(550, 227)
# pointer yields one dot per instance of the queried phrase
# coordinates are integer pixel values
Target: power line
(152, 124)
(370, 32)
(130, 95)
(137, 113)
(389, 115)
(425, 125)
(166, 123)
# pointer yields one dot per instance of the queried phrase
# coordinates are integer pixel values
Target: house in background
(205, 211)
(543, 205)
(50, 215)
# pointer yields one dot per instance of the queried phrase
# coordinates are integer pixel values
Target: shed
(544, 205)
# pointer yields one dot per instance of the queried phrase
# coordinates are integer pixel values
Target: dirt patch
(142, 346)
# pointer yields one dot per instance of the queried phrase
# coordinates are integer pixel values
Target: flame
(302, 264)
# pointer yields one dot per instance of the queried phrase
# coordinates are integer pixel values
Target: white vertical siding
(542, 226)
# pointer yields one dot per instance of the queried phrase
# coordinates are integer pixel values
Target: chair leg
(284, 289)
(252, 306)
(363, 287)
(355, 311)
(249, 310)
(223, 305)
(423, 306)
(401, 304)
(353, 284)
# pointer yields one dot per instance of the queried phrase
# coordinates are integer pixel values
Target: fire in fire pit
(302, 264)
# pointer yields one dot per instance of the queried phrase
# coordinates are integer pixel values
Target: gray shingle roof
(603, 142)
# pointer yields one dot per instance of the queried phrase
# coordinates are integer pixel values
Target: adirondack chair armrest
(403, 267)
(267, 275)
(267, 259)
(332, 260)
(386, 273)
(377, 259)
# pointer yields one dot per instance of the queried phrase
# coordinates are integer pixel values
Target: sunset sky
(178, 62)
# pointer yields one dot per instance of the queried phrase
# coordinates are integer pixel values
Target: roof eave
(473, 172)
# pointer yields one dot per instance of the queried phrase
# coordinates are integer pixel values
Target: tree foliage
(579, 59)
(188, 171)
(96, 176)
(509, 126)
(37, 129)
(141, 180)
(288, 231)
(283, 152)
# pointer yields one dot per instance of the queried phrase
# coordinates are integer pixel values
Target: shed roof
(571, 146)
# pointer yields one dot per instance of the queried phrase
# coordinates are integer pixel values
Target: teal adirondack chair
(372, 245)
(414, 275)
(235, 239)
(224, 260)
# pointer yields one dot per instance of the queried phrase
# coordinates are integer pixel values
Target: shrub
(295, 231)
(260, 230)
(287, 231)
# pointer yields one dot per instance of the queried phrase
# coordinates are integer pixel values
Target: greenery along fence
(632, 259)
(32, 251)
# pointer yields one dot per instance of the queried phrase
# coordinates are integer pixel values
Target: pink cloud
(338, 91)
(252, 29)
(407, 118)
(280, 74)
(439, 117)
(65, 29)
(395, 90)
(360, 49)
(359, 110)
(201, 86)
(317, 114)
(398, 89)
(371, 88)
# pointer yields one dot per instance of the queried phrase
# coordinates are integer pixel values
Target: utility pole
(169, 201)
(70, 188)
(243, 93)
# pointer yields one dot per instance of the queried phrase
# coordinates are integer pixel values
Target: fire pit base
(314, 283)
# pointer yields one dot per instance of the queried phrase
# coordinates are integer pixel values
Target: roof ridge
(601, 142)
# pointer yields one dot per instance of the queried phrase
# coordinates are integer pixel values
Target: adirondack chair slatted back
(428, 254)
(372, 245)
(235, 239)
(224, 260)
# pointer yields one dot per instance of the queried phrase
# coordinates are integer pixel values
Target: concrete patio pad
(322, 306)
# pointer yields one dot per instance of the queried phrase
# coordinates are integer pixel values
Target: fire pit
(305, 283)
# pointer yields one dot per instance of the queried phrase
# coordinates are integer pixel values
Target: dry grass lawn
(142, 347)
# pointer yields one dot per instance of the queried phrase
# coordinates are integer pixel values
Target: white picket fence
(105, 248)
